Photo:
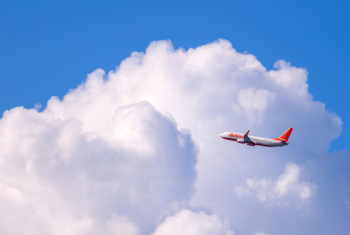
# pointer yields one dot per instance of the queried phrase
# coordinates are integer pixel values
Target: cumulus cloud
(285, 186)
(119, 151)
(120, 225)
(187, 222)
(253, 110)
(55, 171)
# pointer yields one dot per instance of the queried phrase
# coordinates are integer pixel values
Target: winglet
(246, 134)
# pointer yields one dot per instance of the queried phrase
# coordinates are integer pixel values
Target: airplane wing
(247, 139)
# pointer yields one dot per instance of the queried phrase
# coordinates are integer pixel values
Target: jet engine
(241, 141)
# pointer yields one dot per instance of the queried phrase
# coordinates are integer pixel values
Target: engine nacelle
(241, 141)
(251, 144)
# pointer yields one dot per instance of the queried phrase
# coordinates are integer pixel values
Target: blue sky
(48, 47)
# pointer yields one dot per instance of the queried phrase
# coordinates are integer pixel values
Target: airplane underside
(250, 143)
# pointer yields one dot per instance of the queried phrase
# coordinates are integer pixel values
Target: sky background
(48, 47)
(133, 98)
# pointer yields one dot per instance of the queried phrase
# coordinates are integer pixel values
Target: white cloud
(10, 194)
(126, 150)
(187, 222)
(135, 167)
(286, 186)
(37, 106)
(121, 225)
(288, 182)
(253, 110)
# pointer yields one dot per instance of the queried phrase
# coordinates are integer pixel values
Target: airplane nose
(222, 135)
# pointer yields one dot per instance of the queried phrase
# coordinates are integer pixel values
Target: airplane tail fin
(285, 136)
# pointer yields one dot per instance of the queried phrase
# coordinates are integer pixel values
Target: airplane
(254, 140)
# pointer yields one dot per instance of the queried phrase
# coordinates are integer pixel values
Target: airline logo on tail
(254, 140)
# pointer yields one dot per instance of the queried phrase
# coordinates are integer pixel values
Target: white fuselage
(253, 140)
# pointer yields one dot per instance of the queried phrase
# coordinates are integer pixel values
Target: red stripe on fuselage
(265, 145)
(229, 139)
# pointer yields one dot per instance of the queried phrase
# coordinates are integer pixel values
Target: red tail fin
(285, 135)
